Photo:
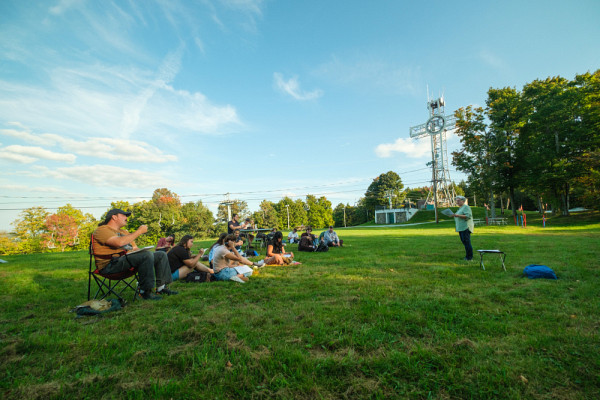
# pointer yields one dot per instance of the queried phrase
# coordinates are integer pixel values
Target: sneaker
(148, 295)
(259, 264)
(167, 291)
(236, 278)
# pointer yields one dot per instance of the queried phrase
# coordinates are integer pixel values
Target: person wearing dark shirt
(181, 260)
(234, 224)
(307, 240)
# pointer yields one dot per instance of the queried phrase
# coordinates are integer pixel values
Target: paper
(448, 212)
(243, 269)
(140, 250)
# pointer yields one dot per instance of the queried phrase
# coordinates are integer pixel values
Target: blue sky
(109, 100)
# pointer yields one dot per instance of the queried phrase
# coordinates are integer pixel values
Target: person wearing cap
(111, 244)
(331, 239)
(463, 219)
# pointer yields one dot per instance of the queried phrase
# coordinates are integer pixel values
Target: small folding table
(500, 253)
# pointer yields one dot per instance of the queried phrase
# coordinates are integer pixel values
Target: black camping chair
(111, 283)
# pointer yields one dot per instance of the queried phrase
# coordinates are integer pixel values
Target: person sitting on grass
(165, 244)
(276, 254)
(226, 258)
(330, 238)
(182, 261)
(211, 250)
(111, 245)
(239, 240)
(307, 240)
(293, 236)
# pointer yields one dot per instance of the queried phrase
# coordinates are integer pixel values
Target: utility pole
(287, 206)
(227, 203)
(344, 216)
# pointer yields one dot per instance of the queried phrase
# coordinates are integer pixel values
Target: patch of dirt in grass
(41, 391)
(465, 344)
(260, 353)
(10, 353)
(234, 343)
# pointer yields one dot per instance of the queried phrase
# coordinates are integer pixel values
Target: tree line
(37, 230)
(539, 145)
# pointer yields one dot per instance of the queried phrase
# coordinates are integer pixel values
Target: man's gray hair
(461, 198)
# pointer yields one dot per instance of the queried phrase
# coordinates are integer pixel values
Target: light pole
(287, 207)
(344, 216)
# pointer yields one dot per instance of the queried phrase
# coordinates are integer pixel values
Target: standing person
(463, 219)
(293, 236)
(111, 244)
(226, 258)
(331, 239)
(181, 260)
(234, 224)
(276, 254)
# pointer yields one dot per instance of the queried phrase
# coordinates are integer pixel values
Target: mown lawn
(394, 314)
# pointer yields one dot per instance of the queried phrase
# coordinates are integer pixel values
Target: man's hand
(142, 229)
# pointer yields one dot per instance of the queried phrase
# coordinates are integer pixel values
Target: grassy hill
(394, 314)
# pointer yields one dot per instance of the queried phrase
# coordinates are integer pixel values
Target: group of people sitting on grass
(115, 251)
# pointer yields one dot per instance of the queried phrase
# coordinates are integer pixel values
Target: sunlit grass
(394, 314)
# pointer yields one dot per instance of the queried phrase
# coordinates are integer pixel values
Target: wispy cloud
(409, 147)
(104, 176)
(371, 73)
(104, 101)
(292, 88)
(99, 147)
(492, 59)
(36, 152)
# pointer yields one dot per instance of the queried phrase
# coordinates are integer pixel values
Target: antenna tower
(436, 127)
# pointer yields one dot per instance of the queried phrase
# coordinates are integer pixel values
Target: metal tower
(436, 127)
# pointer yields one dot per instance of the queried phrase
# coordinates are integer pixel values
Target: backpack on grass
(534, 271)
(322, 247)
(199, 277)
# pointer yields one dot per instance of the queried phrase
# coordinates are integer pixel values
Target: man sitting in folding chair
(111, 243)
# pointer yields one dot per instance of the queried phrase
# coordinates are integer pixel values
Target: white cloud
(292, 88)
(17, 157)
(409, 147)
(114, 101)
(105, 176)
(107, 148)
(38, 152)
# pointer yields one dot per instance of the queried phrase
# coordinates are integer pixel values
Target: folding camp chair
(111, 283)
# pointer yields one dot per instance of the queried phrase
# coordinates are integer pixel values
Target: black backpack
(322, 247)
(199, 277)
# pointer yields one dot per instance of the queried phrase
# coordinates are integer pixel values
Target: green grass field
(394, 314)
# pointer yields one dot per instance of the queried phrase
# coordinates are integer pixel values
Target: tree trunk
(511, 200)
(492, 205)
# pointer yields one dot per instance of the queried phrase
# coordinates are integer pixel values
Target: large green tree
(29, 228)
(197, 220)
(319, 212)
(386, 188)
(297, 213)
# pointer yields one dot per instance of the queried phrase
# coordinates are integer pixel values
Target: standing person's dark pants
(153, 268)
(465, 238)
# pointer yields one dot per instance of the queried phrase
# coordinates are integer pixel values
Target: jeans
(465, 238)
(153, 268)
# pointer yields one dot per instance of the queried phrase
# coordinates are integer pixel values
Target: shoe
(236, 278)
(167, 291)
(467, 259)
(148, 295)
(259, 264)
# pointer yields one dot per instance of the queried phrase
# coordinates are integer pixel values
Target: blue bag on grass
(534, 271)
